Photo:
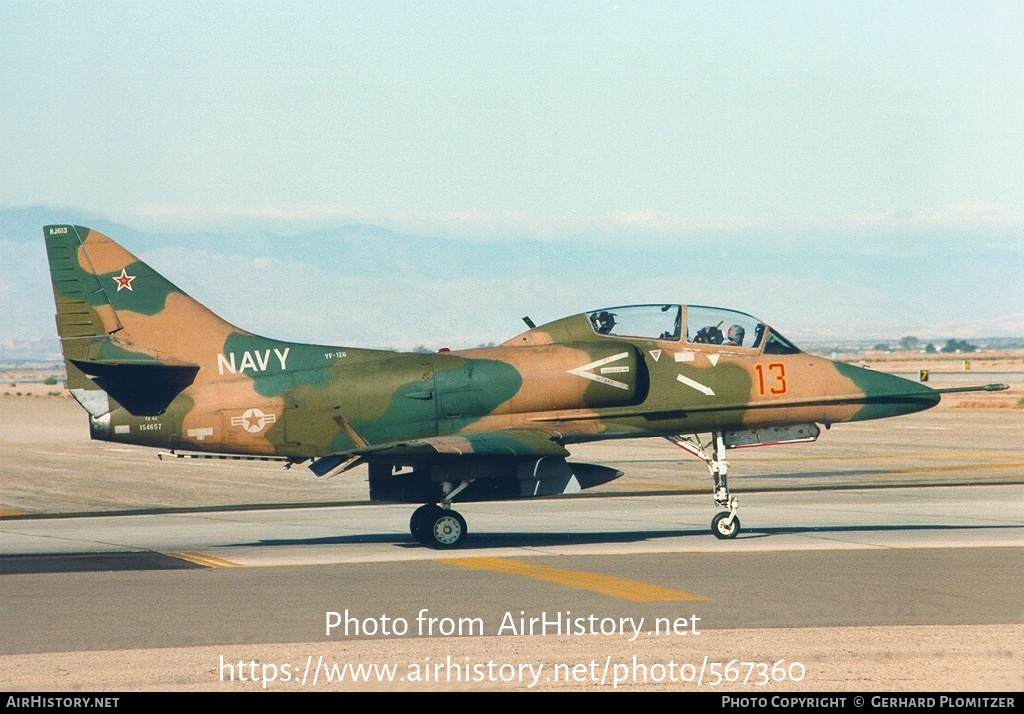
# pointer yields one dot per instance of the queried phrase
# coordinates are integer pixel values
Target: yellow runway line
(210, 561)
(622, 588)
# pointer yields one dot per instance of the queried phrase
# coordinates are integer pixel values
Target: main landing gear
(725, 524)
(437, 525)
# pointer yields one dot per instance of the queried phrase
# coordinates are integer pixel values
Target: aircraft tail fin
(122, 323)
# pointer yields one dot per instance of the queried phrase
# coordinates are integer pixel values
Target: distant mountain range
(360, 285)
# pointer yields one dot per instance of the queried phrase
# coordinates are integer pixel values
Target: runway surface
(873, 568)
(885, 556)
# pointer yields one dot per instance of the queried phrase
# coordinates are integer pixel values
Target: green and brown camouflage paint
(229, 391)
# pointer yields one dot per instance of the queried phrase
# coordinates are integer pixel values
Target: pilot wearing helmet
(734, 336)
(603, 322)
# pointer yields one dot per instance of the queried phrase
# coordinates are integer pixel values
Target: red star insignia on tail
(124, 280)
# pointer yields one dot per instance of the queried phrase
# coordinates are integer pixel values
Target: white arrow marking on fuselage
(696, 385)
(656, 354)
(713, 359)
(584, 371)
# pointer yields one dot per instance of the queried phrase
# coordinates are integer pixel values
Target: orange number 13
(778, 372)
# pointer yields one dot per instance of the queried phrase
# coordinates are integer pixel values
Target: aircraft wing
(505, 442)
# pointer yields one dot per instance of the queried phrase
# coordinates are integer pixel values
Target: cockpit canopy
(696, 324)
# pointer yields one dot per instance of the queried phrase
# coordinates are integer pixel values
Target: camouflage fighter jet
(154, 367)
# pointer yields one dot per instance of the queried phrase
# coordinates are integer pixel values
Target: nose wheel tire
(724, 529)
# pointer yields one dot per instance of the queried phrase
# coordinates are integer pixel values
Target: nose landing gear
(725, 524)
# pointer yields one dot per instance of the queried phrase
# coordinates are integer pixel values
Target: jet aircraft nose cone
(886, 395)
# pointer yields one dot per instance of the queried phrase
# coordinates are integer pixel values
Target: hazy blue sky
(835, 168)
(517, 118)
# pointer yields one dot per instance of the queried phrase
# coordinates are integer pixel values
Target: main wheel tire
(721, 529)
(445, 530)
(419, 520)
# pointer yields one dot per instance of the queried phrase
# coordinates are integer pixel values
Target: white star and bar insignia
(253, 420)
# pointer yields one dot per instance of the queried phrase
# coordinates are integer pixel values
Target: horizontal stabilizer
(144, 388)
